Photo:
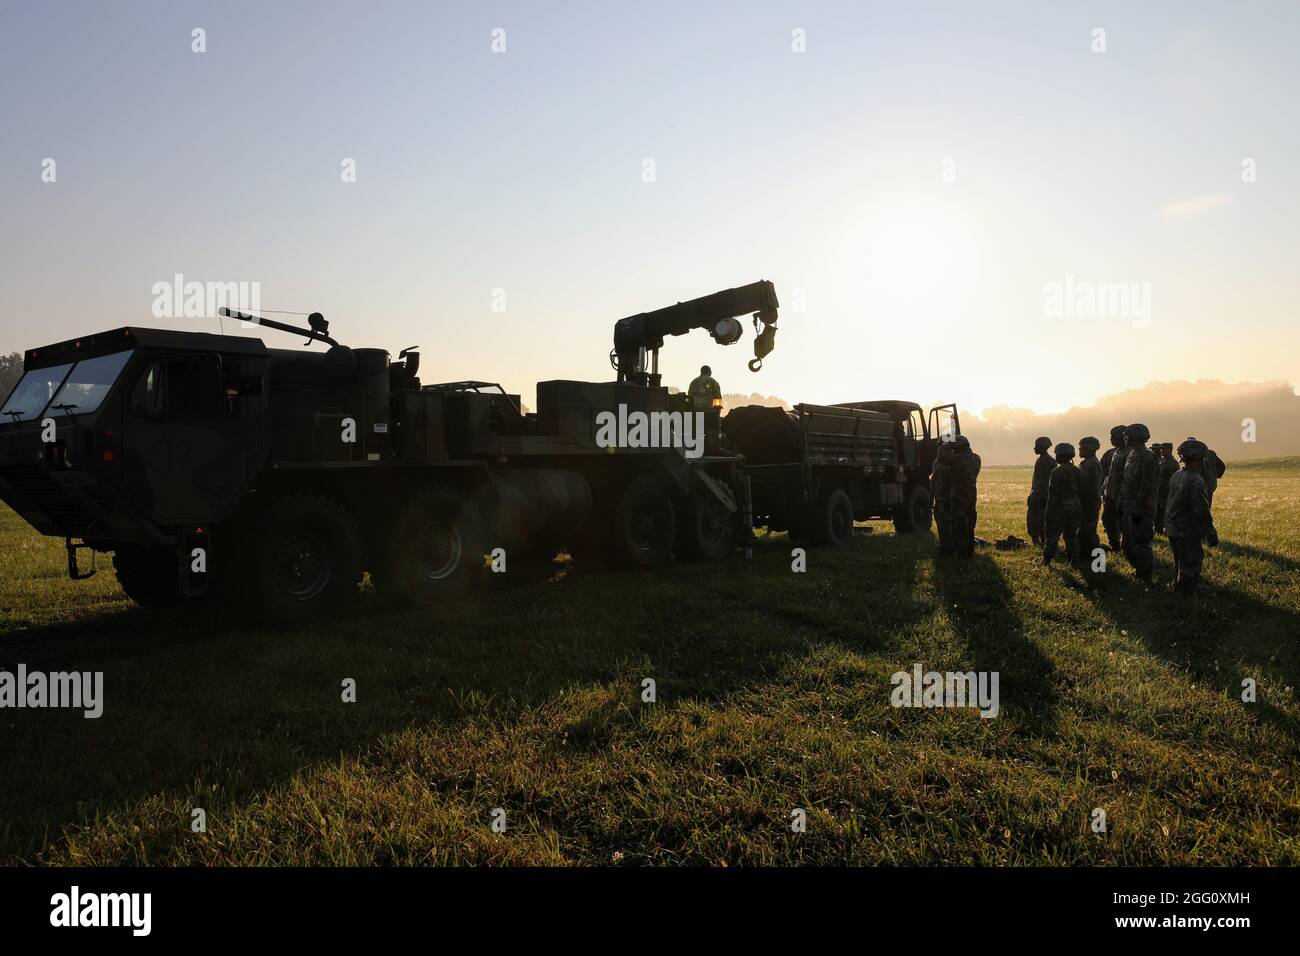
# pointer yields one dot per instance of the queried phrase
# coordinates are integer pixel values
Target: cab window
(33, 392)
(188, 387)
(87, 385)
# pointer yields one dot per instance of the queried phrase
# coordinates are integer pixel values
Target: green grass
(773, 693)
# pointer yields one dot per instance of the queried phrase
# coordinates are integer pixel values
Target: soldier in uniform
(1166, 468)
(1037, 500)
(1089, 498)
(940, 484)
(1211, 471)
(1187, 517)
(965, 465)
(1113, 475)
(703, 390)
(1138, 503)
(1063, 506)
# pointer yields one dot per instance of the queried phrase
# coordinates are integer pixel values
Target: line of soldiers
(1138, 491)
(952, 492)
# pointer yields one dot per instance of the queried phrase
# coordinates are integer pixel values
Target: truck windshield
(74, 388)
(33, 393)
(88, 383)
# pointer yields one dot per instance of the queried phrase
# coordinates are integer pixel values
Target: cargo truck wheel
(150, 578)
(436, 550)
(307, 557)
(708, 531)
(834, 520)
(645, 524)
(914, 513)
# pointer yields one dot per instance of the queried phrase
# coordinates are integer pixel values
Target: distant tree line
(11, 370)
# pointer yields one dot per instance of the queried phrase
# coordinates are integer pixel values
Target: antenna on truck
(318, 331)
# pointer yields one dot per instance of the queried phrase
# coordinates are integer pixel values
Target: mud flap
(74, 570)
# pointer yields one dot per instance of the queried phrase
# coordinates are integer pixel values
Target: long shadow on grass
(1219, 636)
(1280, 561)
(982, 610)
(193, 700)
(860, 599)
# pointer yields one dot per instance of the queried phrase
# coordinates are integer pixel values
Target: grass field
(773, 693)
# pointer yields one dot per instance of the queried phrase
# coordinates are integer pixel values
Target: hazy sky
(912, 182)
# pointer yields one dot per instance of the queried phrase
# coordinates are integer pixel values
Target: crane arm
(636, 334)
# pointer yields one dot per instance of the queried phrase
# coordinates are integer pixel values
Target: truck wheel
(708, 530)
(914, 513)
(436, 549)
(834, 520)
(645, 524)
(150, 578)
(307, 558)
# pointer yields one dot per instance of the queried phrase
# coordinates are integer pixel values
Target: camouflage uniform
(1089, 505)
(965, 466)
(1210, 469)
(1187, 520)
(940, 483)
(1062, 510)
(1138, 510)
(1166, 469)
(1112, 505)
(1105, 463)
(1037, 500)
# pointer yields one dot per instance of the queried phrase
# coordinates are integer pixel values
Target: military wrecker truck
(275, 477)
(815, 470)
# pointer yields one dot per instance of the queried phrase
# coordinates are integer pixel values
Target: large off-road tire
(150, 578)
(915, 512)
(306, 559)
(832, 520)
(435, 551)
(707, 530)
(645, 524)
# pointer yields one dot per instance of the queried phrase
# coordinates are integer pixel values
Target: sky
(947, 195)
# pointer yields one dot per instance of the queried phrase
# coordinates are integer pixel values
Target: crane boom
(637, 335)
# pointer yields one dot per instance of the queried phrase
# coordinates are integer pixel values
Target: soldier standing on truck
(1090, 498)
(1138, 502)
(1063, 506)
(703, 390)
(1114, 471)
(1187, 517)
(962, 495)
(1167, 468)
(1037, 500)
(940, 485)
